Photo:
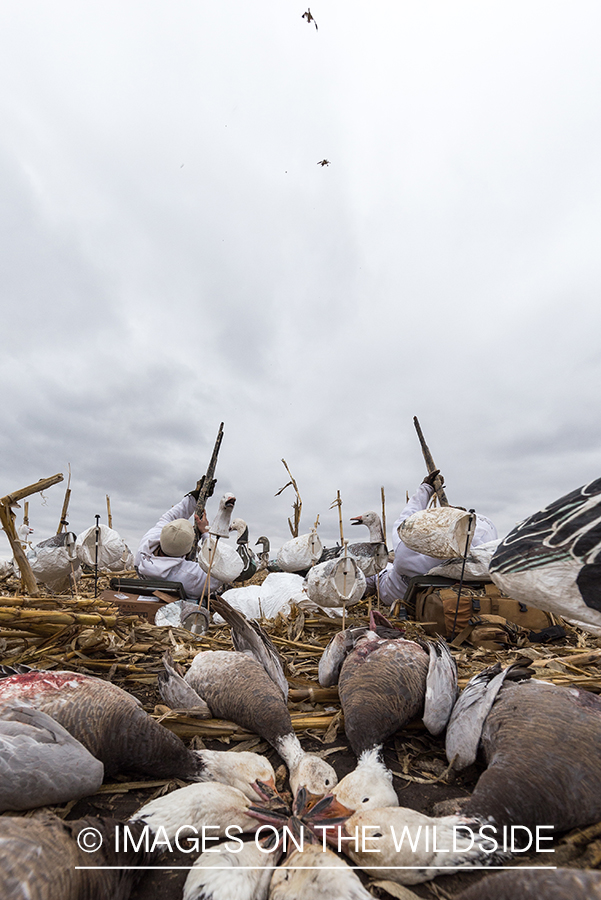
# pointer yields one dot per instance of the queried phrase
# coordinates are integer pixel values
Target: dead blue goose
(542, 744)
(236, 686)
(40, 856)
(114, 728)
(41, 764)
(542, 884)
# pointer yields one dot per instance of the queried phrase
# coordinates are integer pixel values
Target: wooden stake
(108, 511)
(26, 513)
(383, 495)
(63, 520)
(7, 517)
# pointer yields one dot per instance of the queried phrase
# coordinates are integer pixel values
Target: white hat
(177, 537)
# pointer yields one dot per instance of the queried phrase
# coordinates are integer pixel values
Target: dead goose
(542, 744)
(209, 804)
(314, 873)
(237, 687)
(40, 762)
(525, 884)
(411, 847)
(40, 859)
(108, 721)
(228, 871)
(552, 560)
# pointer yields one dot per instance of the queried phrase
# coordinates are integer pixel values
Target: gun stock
(430, 464)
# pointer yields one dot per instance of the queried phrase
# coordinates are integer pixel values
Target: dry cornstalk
(297, 505)
(108, 511)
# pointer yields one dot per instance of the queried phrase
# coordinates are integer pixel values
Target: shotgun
(206, 489)
(430, 465)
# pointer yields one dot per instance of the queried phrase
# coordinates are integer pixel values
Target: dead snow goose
(41, 764)
(552, 560)
(228, 871)
(314, 873)
(237, 687)
(413, 847)
(207, 804)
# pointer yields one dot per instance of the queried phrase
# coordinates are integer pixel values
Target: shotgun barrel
(430, 464)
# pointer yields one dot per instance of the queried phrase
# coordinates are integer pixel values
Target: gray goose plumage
(236, 686)
(39, 856)
(542, 744)
(554, 884)
(41, 764)
(108, 721)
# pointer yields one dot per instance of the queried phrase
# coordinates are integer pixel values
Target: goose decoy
(372, 555)
(336, 583)
(40, 859)
(299, 553)
(314, 873)
(108, 721)
(40, 763)
(552, 560)
(542, 746)
(228, 871)
(534, 884)
(264, 554)
(237, 687)
(411, 847)
(222, 561)
(244, 551)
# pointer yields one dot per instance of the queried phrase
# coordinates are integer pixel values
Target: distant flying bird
(309, 17)
(323, 162)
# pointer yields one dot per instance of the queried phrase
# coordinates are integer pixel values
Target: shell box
(133, 604)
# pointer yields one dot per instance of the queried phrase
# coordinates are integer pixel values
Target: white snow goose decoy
(237, 687)
(214, 556)
(40, 763)
(40, 859)
(244, 550)
(552, 560)
(542, 745)
(371, 555)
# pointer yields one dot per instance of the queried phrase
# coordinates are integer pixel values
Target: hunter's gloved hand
(429, 479)
(199, 486)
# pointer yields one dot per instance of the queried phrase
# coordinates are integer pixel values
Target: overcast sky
(173, 256)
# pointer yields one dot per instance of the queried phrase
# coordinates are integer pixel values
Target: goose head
(368, 786)
(221, 523)
(312, 773)
(248, 772)
(373, 522)
(241, 528)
